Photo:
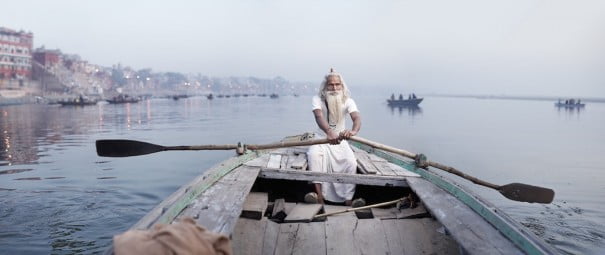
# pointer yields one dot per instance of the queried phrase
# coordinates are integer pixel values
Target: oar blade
(125, 148)
(527, 193)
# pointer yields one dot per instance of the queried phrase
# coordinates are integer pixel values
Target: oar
(514, 191)
(127, 148)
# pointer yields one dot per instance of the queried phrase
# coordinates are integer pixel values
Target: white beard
(334, 102)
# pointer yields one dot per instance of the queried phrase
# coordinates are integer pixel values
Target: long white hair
(345, 90)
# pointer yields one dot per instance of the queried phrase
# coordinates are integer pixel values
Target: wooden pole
(360, 208)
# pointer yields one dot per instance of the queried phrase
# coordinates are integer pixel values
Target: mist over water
(58, 196)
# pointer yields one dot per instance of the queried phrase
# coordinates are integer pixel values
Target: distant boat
(79, 101)
(274, 96)
(571, 103)
(122, 99)
(210, 96)
(404, 102)
(177, 97)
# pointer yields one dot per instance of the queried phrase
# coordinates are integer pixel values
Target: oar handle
(408, 154)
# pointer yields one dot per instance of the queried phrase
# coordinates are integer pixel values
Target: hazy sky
(514, 47)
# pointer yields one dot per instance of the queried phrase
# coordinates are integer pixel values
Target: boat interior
(276, 219)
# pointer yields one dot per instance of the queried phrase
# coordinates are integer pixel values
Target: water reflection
(569, 110)
(411, 110)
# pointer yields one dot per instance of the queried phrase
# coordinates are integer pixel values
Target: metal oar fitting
(420, 161)
(241, 149)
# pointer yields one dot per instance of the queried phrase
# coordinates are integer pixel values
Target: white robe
(327, 158)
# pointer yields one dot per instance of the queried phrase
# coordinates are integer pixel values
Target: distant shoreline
(532, 98)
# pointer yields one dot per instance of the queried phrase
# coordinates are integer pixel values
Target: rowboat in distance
(412, 100)
(404, 102)
(78, 101)
(257, 199)
(570, 103)
(123, 99)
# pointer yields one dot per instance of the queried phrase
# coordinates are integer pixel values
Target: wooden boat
(123, 99)
(256, 199)
(574, 105)
(404, 102)
(81, 101)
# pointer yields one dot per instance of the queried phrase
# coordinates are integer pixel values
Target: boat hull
(405, 102)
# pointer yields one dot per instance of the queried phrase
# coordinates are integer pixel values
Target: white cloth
(327, 158)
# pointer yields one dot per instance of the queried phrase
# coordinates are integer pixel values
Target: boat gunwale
(513, 231)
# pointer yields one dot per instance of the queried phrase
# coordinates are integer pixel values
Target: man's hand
(347, 134)
(333, 137)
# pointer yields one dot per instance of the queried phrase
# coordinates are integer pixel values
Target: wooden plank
(270, 238)
(471, 231)
(401, 171)
(364, 163)
(339, 236)
(170, 207)
(303, 213)
(370, 237)
(300, 163)
(417, 236)
(336, 208)
(219, 207)
(284, 161)
(393, 213)
(248, 236)
(286, 238)
(255, 205)
(384, 167)
(274, 161)
(375, 158)
(351, 236)
(259, 162)
(310, 239)
(372, 180)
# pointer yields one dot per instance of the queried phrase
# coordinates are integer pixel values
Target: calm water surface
(57, 196)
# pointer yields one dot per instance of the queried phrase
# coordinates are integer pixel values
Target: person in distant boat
(400, 97)
(330, 109)
(413, 96)
(393, 96)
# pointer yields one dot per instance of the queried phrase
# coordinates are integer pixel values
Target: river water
(57, 196)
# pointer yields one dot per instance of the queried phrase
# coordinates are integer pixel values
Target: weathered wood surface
(220, 206)
(303, 212)
(394, 213)
(417, 236)
(255, 205)
(274, 161)
(300, 162)
(303, 239)
(181, 198)
(364, 163)
(372, 180)
(402, 171)
(281, 209)
(248, 236)
(338, 208)
(469, 229)
(270, 237)
(345, 235)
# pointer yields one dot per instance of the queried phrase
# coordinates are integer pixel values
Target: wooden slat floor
(342, 234)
